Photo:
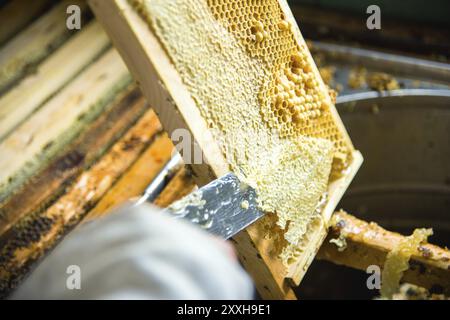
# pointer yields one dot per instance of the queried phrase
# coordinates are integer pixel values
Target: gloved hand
(138, 253)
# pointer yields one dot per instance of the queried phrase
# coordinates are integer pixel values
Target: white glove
(138, 253)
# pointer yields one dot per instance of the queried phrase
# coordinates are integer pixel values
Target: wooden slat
(59, 121)
(165, 91)
(256, 254)
(137, 178)
(181, 185)
(368, 244)
(16, 14)
(34, 43)
(51, 182)
(33, 236)
(52, 74)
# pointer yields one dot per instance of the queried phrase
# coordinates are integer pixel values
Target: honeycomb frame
(165, 91)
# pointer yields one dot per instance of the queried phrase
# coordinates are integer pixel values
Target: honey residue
(397, 261)
(255, 88)
(245, 205)
(327, 74)
(357, 78)
(382, 81)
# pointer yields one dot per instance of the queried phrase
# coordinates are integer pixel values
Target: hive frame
(163, 88)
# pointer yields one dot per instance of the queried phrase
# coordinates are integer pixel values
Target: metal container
(404, 182)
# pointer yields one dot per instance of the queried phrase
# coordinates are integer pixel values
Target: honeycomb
(397, 261)
(257, 91)
(291, 99)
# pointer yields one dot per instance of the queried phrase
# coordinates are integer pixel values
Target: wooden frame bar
(368, 244)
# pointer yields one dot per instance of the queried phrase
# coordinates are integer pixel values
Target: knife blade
(223, 207)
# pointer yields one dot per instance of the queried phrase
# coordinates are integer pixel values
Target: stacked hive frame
(72, 123)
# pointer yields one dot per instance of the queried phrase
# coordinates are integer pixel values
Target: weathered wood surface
(21, 53)
(34, 235)
(71, 128)
(45, 186)
(17, 14)
(133, 183)
(181, 185)
(50, 76)
(59, 121)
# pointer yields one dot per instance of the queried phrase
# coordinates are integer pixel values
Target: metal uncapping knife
(223, 207)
